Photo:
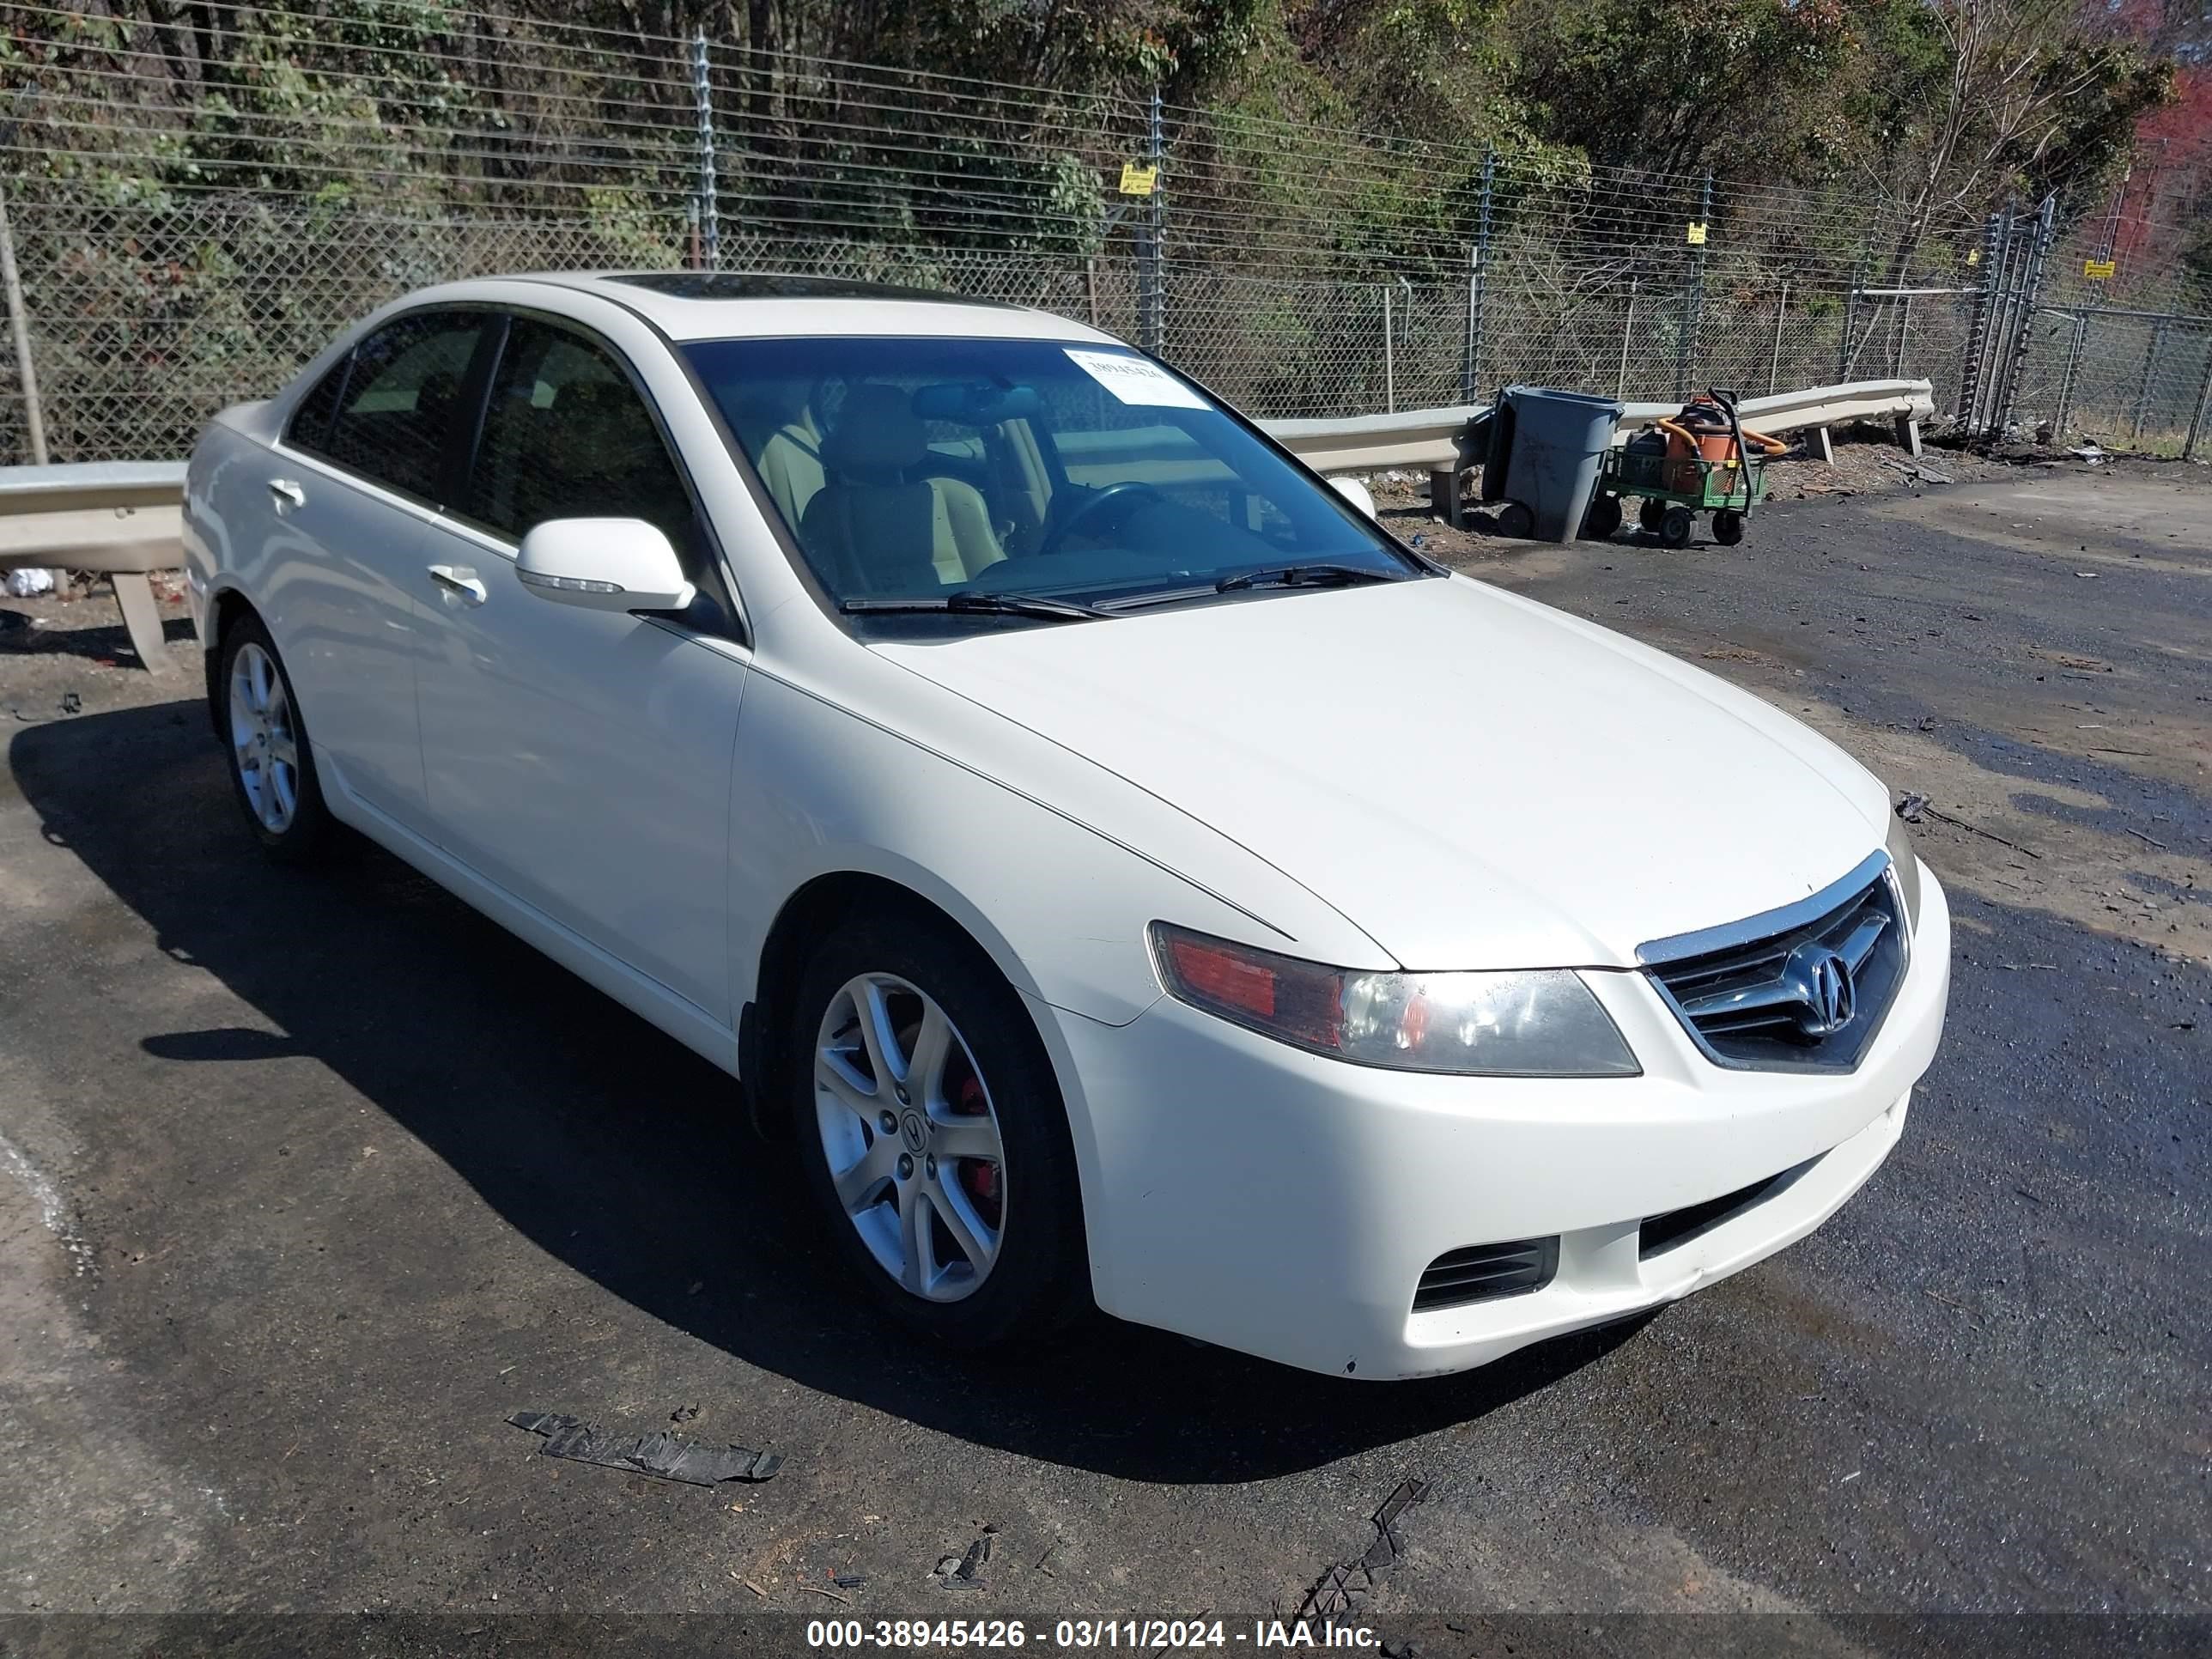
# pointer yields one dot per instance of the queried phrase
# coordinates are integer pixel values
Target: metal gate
(2015, 255)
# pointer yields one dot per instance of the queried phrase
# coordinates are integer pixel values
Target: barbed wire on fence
(190, 234)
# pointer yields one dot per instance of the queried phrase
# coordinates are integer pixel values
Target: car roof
(724, 305)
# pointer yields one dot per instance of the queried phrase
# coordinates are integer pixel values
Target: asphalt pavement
(309, 1179)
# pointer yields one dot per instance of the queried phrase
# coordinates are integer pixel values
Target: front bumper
(1251, 1194)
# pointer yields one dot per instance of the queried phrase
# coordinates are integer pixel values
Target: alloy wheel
(263, 740)
(910, 1134)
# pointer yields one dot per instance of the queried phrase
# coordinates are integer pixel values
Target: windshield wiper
(1303, 575)
(968, 602)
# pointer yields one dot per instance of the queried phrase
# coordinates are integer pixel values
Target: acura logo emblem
(914, 1131)
(1820, 980)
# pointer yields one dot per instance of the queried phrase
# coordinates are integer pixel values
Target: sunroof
(775, 285)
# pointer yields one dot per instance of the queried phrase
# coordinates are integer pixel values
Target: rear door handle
(461, 580)
(285, 490)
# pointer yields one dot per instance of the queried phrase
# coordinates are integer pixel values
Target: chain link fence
(197, 210)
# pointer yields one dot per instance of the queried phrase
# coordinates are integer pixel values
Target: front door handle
(461, 580)
(287, 491)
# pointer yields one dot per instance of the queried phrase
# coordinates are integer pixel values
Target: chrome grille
(1799, 989)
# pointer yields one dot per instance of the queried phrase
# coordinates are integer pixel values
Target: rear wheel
(272, 764)
(1650, 514)
(1516, 520)
(1674, 528)
(1728, 527)
(1603, 519)
(933, 1133)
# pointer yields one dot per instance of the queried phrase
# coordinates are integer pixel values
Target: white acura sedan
(1126, 873)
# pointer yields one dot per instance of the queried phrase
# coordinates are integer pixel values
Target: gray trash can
(1553, 442)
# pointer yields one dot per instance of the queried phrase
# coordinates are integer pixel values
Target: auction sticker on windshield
(1134, 380)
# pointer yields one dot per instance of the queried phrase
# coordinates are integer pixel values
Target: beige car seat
(881, 531)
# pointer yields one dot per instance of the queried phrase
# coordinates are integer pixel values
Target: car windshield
(912, 470)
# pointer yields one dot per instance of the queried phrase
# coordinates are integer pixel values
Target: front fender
(1062, 908)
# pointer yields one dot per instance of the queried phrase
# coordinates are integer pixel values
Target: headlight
(1906, 863)
(1540, 1024)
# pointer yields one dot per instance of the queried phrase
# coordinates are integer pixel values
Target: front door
(581, 759)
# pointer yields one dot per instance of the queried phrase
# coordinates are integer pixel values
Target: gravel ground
(307, 1181)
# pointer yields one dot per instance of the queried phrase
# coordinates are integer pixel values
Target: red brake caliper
(980, 1179)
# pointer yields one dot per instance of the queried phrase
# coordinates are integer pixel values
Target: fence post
(1627, 332)
(1977, 330)
(2030, 293)
(1390, 356)
(2203, 404)
(2073, 369)
(1843, 353)
(702, 94)
(2151, 354)
(1478, 285)
(1904, 334)
(1693, 301)
(1774, 357)
(1151, 275)
(34, 424)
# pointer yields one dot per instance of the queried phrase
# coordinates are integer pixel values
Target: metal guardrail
(1436, 439)
(123, 519)
(119, 519)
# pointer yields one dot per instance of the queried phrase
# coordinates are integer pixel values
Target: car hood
(1473, 780)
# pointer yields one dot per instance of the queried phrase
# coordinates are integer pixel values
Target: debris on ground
(1338, 1589)
(2091, 453)
(28, 580)
(1921, 472)
(659, 1454)
(958, 1572)
(848, 1580)
(1911, 806)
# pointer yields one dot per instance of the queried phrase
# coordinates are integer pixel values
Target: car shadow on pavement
(614, 1150)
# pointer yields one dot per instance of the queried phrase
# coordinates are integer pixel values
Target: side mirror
(1355, 492)
(603, 564)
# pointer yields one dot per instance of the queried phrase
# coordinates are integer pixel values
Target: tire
(1651, 513)
(1728, 527)
(1516, 520)
(1674, 529)
(272, 762)
(994, 1091)
(1603, 519)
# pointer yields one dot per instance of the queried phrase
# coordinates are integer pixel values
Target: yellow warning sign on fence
(1137, 181)
(1696, 236)
(2099, 271)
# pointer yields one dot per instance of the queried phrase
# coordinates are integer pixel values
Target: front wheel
(1516, 520)
(1728, 527)
(1675, 526)
(1603, 519)
(272, 764)
(933, 1133)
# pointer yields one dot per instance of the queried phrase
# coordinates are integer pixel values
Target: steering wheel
(1090, 508)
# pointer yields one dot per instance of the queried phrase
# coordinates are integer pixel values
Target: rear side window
(389, 424)
(567, 436)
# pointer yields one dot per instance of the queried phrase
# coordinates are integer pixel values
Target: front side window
(389, 424)
(567, 436)
(918, 468)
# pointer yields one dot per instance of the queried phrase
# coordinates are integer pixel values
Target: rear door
(581, 759)
(351, 495)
